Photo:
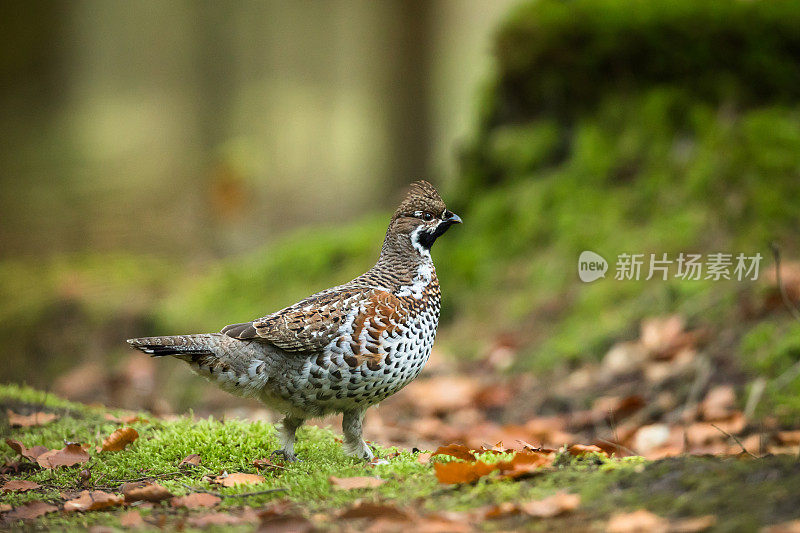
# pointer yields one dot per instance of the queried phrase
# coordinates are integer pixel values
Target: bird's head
(422, 217)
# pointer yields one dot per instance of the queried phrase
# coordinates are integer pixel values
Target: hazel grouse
(342, 349)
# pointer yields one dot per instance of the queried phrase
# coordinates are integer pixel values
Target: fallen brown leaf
(442, 394)
(286, 524)
(31, 510)
(719, 403)
(28, 453)
(640, 521)
(190, 460)
(196, 500)
(358, 482)
(424, 458)
(694, 525)
(129, 486)
(375, 510)
(458, 451)
(36, 419)
(266, 464)
(784, 527)
(131, 519)
(127, 419)
(462, 472)
(788, 437)
(19, 485)
(93, 500)
(238, 478)
(119, 439)
(443, 522)
(222, 519)
(152, 492)
(69, 455)
(525, 463)
(583, 449)
(558, 503)
(5, 507)
(501, 510)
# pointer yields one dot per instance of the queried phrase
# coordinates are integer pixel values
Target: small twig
(240, 495)
(735, 439)
(776, 253)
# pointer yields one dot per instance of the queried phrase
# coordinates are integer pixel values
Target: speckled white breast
(328, 384)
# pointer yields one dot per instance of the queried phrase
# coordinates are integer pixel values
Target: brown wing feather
(311, 324)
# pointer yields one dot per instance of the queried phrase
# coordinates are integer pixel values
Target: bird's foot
(288, 457)
(360, 451)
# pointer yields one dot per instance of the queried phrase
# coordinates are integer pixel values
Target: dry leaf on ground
(788, 437)
(583, 449)
(284, 524)
(719, 403)
(458, 451)
(24, 451)
(358, 482)
(424, 458)
(694, 525)
(266, 464)
(196, 500)
(93, 500)
(152, 492)
(119, 439)
(69, 455)
(19, 485)
(126, 419)
(238, 478)
(640, 521)
(129, 486)
(557, 504)
(223, 519)
(525, 463)
(501, 510)
(784, 527)
(131, 519)
(31, 510)
(462, 472)
(190, 460)
(36, 419)
(443, 522)
(442, 394)
(375, 510)
(5, 507)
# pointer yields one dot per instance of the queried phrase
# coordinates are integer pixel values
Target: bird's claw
(287, 457)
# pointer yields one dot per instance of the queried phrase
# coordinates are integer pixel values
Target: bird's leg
(287, 432)
(353, 442)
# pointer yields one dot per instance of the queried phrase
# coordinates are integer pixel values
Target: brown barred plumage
(341, 349)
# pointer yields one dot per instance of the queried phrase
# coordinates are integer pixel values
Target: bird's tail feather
(235, 365)
(173, 345)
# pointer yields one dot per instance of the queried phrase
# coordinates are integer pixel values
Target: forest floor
(72, 466)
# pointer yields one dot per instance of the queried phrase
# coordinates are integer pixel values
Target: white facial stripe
(426, 254)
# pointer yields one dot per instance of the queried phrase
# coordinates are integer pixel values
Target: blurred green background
(175, 167)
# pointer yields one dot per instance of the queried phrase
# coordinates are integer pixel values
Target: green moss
(743, 494)
(772, 350)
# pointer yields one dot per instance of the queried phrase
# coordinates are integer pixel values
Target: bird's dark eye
(427, 217)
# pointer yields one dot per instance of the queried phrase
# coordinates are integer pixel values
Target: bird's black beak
(451, 218)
